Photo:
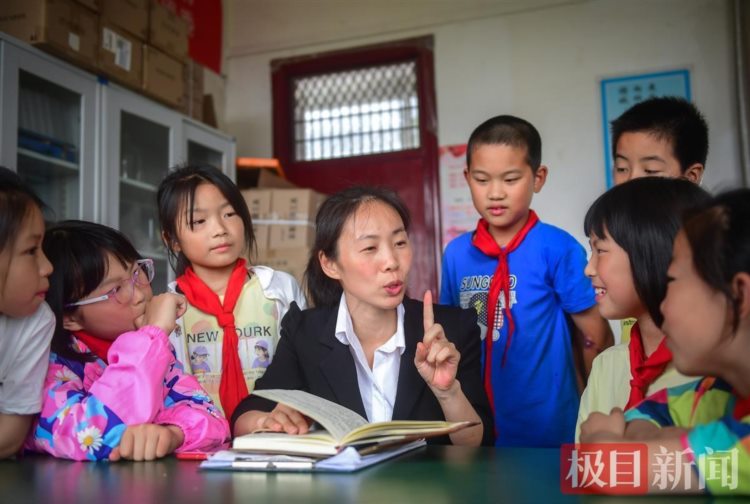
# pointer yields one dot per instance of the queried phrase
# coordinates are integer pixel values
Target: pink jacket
(87, 406)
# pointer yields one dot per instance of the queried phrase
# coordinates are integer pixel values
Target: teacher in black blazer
(364, 345)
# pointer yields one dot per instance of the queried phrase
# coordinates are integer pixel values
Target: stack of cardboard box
(165, 55)
(192, 102)
(140, 44)
(123, 27)
(65, 28)
(284, 226)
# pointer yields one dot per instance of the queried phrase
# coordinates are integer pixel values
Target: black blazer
(310, 358)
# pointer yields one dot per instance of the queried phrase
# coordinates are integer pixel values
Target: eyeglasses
(143, 274)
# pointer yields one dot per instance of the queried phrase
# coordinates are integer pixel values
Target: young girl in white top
(232, 306)
(26, 322)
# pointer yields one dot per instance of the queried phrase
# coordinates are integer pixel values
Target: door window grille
(356, 112)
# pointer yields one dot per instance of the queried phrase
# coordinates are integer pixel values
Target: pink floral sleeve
(88, 405)
(190, 408)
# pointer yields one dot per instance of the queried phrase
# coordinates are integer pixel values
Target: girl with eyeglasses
(114, 389)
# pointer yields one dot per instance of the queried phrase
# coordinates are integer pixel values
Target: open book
(341, 427)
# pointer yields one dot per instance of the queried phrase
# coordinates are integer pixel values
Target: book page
(336, 419)
(405, 429)
(317, 443)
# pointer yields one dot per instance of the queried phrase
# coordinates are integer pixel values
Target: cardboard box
(120, 55)
(196, 109)
(261, 232)
(268, 179)
(295, 204)
(293, 262)
(259, 202)
(291, 236)
(131, 15)
(260, 172)
(192, 103)
(209, 111)
(62, 27)
(168, 32)
(162, 77)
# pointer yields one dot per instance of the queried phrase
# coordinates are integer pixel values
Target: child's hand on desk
(436, 358)
(600, 427)
(148, 442)
(283, 418)
(163, 311)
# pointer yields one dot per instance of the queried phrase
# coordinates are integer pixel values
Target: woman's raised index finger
(429, 316)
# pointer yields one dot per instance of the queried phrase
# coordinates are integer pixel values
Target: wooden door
(411, 168)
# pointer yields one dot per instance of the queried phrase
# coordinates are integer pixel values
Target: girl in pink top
(114, 389)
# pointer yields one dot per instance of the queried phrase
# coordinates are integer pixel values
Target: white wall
(543, 65)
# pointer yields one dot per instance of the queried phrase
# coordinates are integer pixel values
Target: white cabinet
(142, 141)
(96, 151)
(47, 129)
(202, 145)
(140, 144)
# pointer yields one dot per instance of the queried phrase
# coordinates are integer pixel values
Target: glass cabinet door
(144, 162)
(208, 146)
(200, 154)
(48, 108)
(139, 149)
(49, 143)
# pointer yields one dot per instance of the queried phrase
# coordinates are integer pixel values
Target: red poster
(205, 20)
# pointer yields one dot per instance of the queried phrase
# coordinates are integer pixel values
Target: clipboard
(348, 460)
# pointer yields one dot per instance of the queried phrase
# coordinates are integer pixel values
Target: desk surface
(432, 475)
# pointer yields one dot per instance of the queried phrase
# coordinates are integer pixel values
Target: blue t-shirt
(535, 393)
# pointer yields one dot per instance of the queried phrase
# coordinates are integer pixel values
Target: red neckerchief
(97, 346)
(644, 370)
(232, 388)
(484, 241)
(741, 407)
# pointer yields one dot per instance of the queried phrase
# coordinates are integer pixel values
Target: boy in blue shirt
(524, 278)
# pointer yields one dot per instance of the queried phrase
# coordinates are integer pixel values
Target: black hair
(177, 194)
(719, 237)
(16, 202)
(329, 223)
(507, 130)
(669, 118)
(643, 216)
(78, 251)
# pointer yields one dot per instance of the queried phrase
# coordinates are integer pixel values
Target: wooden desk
(433, 475)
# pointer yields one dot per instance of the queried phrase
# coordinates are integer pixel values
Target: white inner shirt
(378, 385)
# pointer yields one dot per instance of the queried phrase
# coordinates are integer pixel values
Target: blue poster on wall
(621, 93)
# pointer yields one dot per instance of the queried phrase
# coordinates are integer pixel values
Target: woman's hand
(283, 419)
(600, 427)
(148, 442)
(436, 358)
(163, 310)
